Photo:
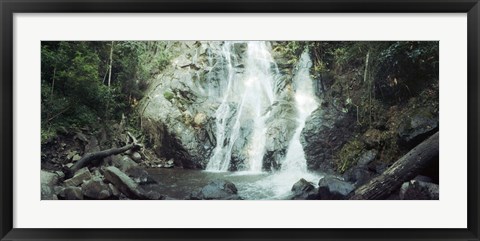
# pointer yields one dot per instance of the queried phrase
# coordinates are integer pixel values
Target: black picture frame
(9, 7)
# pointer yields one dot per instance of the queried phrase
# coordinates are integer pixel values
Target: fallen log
(405, 169)
(89, 157)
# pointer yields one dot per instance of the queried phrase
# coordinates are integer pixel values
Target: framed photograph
(200, 120)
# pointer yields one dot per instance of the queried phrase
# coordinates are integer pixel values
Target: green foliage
(349, 154)
(74, 75)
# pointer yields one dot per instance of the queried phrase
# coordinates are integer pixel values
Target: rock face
(281, 127)
(216, 190)
(325, 132)
(178, 108)
(181, 110)
(332, 188)
(48, 181)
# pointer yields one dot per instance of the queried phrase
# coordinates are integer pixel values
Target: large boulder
(417, 125)
(48, 181)
(332, 188)
(324, 134)
(216, 190)
(123, 162)
(304, 190)
(123, 182)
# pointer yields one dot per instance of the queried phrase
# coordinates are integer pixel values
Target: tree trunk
(89, 157)
(405, 169)
(110, 67)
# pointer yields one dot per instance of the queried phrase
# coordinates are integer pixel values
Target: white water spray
(251, 93)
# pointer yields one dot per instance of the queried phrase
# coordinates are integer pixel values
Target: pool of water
(179, 183)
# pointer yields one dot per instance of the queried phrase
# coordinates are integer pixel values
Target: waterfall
(246, 97)
(294, 165)
(306, 103)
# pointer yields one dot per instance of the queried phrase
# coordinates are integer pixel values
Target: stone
(419, 190)
(153, 195)
(47, 192)
(200, 119)
(217, 190)
(115, 192)
(304, 190)
(72, 193)
(139, 175)
(123, 182)
(81, 137)
(332, 188)
(95, 188)
(136, 157)
(358, 175)
(71, 154)
(367, 157)
(76, 157)
(417, 126)
(123, 162)
(48, 178)
(80, 176)
(326, 131)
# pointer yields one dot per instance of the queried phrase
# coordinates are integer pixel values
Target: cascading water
(306, 103)
(294, 166)
(246, 97)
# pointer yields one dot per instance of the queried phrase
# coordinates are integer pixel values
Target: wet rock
(324, 134)
(124, 183)
(95, 188)
(416, 126)
(72, 193)
(216, 190)
(281, 126)
(304, 190)
(418, 190)
(332, 188)
(80, 176)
